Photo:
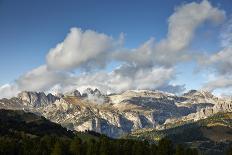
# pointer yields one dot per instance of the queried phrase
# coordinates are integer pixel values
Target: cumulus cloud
(40, 79)
(186, 19)
(8, 90)
(82, 49)
(181, 29)
(150, 66)
(226, 34)
(221, 62)
(92, 49)
(182, 25)
(219, 83)
(117, 82)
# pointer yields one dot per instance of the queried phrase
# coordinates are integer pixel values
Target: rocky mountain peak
(75, 93)
(51, 98)
(94, 96)
(59, 95)
(88, 91)
(200, 93)
(120, 113)
(190, 92)
(35, 99)
(97, 92)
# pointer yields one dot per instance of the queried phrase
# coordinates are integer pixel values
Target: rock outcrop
(222, 106)
(35, 99)
(75, 93)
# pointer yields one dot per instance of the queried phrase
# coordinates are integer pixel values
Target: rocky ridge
(117, 114)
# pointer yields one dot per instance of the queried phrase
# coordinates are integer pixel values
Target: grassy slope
(215, 128)
(211, 136)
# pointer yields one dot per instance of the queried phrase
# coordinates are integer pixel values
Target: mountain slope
(17, 122)
(202, 127)
(23, 133)
(116, 114)
(211, 134)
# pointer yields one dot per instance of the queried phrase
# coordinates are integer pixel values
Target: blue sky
(29, 29)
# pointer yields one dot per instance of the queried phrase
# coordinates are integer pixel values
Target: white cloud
(182, 25)
(141, 56)
(8, 90)
(149, 66)
(82, 49)
(221, 82)
(221, 62)
(186, 19)
(40, 79)
(226, 34)
(117, 82)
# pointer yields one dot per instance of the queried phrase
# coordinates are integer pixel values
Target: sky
(57, 46)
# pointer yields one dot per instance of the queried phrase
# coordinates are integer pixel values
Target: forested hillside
(27, 133)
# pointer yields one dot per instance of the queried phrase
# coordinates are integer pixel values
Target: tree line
(53, 145)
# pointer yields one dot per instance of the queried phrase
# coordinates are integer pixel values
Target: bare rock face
(94, 96)
(87, 92)
(197, 100)
(201, 96)
(222, 106)
(74, 93)
(35, 99)
(51, 98)
(118, 114)
(97, 92)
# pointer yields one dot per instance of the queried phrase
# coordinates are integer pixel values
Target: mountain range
(117, 115)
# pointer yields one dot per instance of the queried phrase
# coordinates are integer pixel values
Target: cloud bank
(149, 66)
(221, 62)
